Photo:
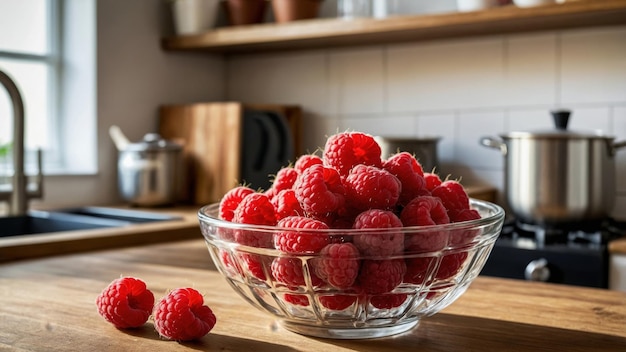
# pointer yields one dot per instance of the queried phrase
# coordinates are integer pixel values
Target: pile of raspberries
(350, 187)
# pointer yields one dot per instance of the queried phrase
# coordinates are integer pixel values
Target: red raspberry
(345, 150)
(289, 271)
(425, 211)
(254, 263)
(369, 187)
(432, 180)
(450, 265)
(452, 195)
(388, 301)
(338, 264)
(337, 302)
(319, 190)
(307, 160)
(381, 276)
(125, 303)
(228, 263)
(418, 269)
(286, 204)
(298, 300)
(467, 235)
(463, 215)
(383, 243)
(299, 241)
(182, 316)
(285, 178)
(231, 200)
(255, 209)
(408, 170)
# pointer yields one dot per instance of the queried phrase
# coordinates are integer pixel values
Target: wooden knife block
(212, 138)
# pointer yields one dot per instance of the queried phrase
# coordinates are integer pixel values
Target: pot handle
(494, 143)
(619, 145)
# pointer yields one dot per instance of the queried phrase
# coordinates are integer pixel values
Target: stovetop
(575, 254)
(583, 235)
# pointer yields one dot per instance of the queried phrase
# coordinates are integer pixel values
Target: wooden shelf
(324, 33)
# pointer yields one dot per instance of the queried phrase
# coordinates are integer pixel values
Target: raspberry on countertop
(182, 315)
(125, 303)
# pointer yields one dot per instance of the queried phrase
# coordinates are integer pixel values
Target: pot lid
(561, 119)
(153, 142)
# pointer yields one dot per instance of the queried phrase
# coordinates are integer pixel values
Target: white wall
(459, 89)
(134, 77)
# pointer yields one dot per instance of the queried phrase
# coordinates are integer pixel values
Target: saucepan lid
(560, 131)
(153, 142)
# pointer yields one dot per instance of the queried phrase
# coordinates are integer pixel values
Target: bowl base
(348, 333)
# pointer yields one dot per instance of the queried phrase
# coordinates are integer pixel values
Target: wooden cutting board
(212, 137)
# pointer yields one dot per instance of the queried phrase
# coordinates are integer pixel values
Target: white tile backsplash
(284, 78)
(472, 127)
(591, 120)
(530, 73)
(356, 81)
(443, 126)
(386, 126)
(531, 120)
(316, 129)
(593, 66)
(460, 90)
(446, 75)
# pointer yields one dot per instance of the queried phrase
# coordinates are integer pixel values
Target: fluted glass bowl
(441, 264)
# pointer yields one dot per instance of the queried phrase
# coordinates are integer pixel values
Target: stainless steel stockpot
(558, 176)
(149, 172)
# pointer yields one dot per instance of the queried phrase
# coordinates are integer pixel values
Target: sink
(82, 218)
(125, 215)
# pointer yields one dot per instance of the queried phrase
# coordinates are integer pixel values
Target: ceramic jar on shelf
(293, 10)
(243, 12)
(194, 16)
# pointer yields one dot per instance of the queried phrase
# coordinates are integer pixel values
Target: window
(47, 48)
(29, 55)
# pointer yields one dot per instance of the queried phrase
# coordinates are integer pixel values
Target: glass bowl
(426, 276)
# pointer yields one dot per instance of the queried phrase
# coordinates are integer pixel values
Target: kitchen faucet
(19, 195)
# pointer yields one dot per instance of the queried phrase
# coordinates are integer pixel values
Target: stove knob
(537, 270)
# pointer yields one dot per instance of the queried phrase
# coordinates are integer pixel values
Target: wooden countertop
(618, 246)
(48, 305)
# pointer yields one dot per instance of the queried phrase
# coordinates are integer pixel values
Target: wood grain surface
(48, 305)
(618, 246)
(212, 135)
(212, 139)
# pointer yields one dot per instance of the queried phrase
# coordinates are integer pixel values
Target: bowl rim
(497, 213)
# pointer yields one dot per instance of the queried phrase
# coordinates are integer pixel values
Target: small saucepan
(149, 171)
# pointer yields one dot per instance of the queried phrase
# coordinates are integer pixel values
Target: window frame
(71, 66)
